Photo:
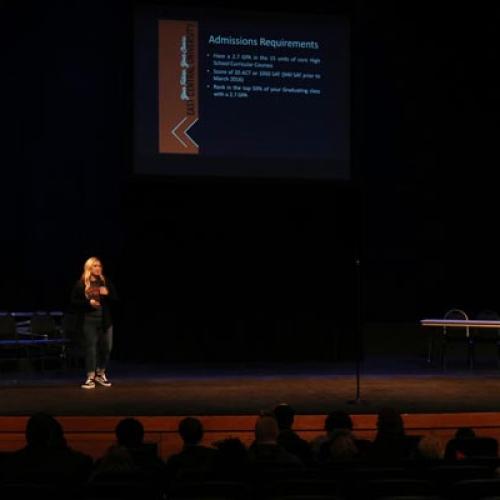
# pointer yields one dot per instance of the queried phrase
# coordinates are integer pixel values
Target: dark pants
(98, 344)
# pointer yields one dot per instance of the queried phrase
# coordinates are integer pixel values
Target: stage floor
(410, 385)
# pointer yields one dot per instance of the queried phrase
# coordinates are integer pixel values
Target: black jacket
(80, 305)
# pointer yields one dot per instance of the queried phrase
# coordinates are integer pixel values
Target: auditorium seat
(121, 490)
(475, 489)
(230, 490)
(444, 476)
(455, 335)
(382, 488)
(10, 350)
(303, 487)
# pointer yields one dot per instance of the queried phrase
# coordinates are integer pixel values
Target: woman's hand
(95, 303)
(103, 290)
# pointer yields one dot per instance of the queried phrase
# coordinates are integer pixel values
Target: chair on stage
(44, 325)
(10, 348)
(7, 327)
(460, 335)
(47, 339)
(485, 335)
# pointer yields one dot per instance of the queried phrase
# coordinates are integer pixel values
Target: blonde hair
(266, 429)
(87, 268)
(431, 447)
(343, 447)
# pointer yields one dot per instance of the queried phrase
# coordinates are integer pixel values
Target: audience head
(343, 447)
(338, 420)
(431, 447)
(232, 450)
(284, 415)
(129, 433)
(389, 422)
(58, 439)
(43, 431)
(117, 460)
(191, 430)
(465, 433)
(266, 430)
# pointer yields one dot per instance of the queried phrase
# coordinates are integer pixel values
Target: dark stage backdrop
(261, 269)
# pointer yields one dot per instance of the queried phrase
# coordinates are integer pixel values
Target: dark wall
(66, 156)
(429, 161)
(214, 267)
(219, 256)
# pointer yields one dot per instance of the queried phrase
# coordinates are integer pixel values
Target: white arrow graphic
(188, 136)
(174, 130)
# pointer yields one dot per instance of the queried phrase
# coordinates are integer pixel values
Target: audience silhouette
(338, 426)
(287, 438)
(131, 456)
(47, 458)
(391, 442)
(194, 461)
(231, 462)
(277, 460)
(265, 450)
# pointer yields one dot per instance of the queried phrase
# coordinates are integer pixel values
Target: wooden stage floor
(228, 398)
(410, 385)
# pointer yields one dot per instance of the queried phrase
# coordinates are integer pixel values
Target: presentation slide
(241, 94)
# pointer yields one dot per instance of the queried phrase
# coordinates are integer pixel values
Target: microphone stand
(359, 335)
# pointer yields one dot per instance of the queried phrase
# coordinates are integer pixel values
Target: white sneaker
(89, 384)
(102, 380)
